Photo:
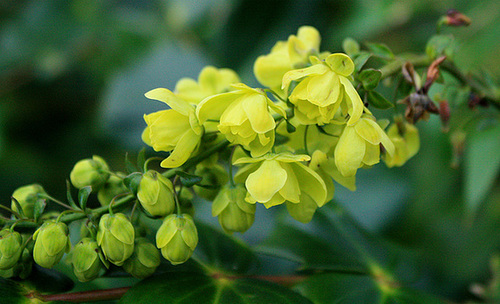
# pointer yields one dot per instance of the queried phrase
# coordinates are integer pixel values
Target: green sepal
(379, 101)
(350, 46)
(129, 165)
(380, 50)
(19, 208)
(189, 180)
(132, 181)
(361, 59)
(83, 196)
(370, 78)
(39, 207)
(290, 128)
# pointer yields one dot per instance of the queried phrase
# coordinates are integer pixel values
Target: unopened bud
(85, 260)
(213, 175)
(144, 260)
(10, 248)
(455, 18)
(26, 196)
(156, 194)
(90, 172)
(234, 213)
(177, 238)
(116, 237)
(51, 242)
(22, 269)
(113, 187)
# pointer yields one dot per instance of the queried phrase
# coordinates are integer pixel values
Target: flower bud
(90, 172)
(155, 193)
(21, 269)
(144, 260)
(26, 196)
(113, 187)
(85, 260)
(11, 244)
(234, 213)
(177, 238)
(51, 242)
(116, 237)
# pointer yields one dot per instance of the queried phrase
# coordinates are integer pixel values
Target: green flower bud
(22, 269)
(144, 260)
(155, 193)
(27, 196)
(116, 237)
(177, 238)
(85, 260)
(90, 172)
(234, 213)
(11, 244)
(51, 242)
(113, 187)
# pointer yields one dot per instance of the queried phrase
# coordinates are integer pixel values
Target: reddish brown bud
(455, 18)
(444, 114)
(432, 73)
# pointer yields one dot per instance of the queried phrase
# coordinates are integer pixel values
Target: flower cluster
(291, 140)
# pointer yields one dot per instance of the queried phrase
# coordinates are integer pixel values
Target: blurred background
(73, 74)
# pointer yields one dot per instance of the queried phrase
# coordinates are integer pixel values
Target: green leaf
(350, 46)
(11, 292)
(129, 165)
(354, 289)
(189, 180)
(69, 197)
(378, 101)
(482, 164)
(39, 207)
(83, 196)
(224, 251)
(18, 207)
(132, 181)
(361, 59)
(441, 45)
(370, 78)
(184, 288)
(380, 50)
(141, 158)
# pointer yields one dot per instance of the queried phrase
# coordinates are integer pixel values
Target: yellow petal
(349, 152)
(269, 69)
(311, 183)
(255, 108)
(212, 107)
(257, 148)
(353, 100)
(185, 147)
(323, 90)
(166, 128)
(340, 64)
(169, 98)
(372, 155)
(309, 36)
(303, 211)
(289, 76)
(369, 130)
(291, 189)
(189, 90)
(266, 181)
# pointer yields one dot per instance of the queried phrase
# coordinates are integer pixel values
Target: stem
(83, 296)
(305, 140)
(231, 180)
(46, 196)
(11, 211)
(395, 66)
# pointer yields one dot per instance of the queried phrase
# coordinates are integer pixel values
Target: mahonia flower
(51, 242)
(324, 89)
(177, 238)
(11, 246)
(406, 142)
(234, 213)
(360, 144)
(176, 130)
(90, 172)
(211, 81)
(286, 55)
(116, 237)
(144, 261)
(244, 117)
(26, 196)
(85, 260)
(274, 179)
(156, 194)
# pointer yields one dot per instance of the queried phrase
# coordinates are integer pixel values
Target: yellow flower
(286, 55)
(406, 142)
(323, 90)
(275, 178)
(176, 130)
(244, 117)
(359, 145)
(211, 81)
